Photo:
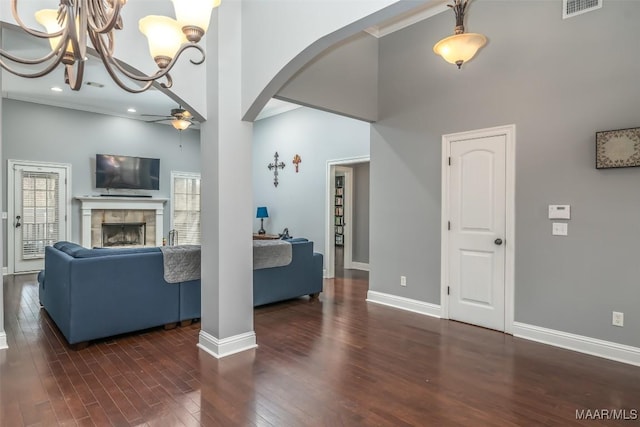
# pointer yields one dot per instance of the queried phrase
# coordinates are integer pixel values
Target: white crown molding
(220, 348)
(403, 303)
(408, 19)
(595, 347)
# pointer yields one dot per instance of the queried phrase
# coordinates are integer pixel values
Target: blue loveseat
(97, 293)
(303, 276)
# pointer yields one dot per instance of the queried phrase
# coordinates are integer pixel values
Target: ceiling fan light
(180, 124)
(459, 48)
(163, 34)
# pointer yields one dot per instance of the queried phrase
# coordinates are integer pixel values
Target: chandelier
(460, 47)
(74, 21)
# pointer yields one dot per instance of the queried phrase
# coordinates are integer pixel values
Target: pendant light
(460, 47)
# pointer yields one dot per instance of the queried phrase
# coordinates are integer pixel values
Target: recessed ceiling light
(131, 110)
(56, 89)
(95, 84)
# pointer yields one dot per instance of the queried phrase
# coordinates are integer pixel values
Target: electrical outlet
(618, 319)
(403, 280)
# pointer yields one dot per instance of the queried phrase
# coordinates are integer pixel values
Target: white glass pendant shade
(180, 124)
(459, 48)
(48, 18)
(195, 13)
(163, 34)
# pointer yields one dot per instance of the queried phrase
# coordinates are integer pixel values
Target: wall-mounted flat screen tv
(137, 173)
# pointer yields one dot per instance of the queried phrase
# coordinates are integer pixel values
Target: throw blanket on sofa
(181, 263)
(271, 253)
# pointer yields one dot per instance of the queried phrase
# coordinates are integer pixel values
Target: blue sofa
(303, 276)
(97, 293)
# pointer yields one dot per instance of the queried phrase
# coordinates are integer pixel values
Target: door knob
(498, 241)
(18, 221)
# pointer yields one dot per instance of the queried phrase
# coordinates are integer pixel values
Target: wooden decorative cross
(275, 166)
(296, 161)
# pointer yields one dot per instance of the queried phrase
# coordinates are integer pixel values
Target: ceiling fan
(180, 118)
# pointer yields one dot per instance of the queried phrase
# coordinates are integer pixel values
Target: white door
(39, 213)
(477, 208)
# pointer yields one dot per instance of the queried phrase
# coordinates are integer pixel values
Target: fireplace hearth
(124, 234)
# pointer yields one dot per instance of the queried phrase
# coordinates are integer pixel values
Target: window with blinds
(40, 220)
(185, 217)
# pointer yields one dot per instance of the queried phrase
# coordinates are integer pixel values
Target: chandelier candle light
(69, 26)
(460, 47)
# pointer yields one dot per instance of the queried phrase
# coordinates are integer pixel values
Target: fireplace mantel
(89, 203)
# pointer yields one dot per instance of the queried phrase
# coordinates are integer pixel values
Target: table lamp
(262, 214)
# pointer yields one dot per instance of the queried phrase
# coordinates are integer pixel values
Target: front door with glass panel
(39, 213)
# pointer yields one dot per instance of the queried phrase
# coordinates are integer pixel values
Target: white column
(3, 335)
(226, 206)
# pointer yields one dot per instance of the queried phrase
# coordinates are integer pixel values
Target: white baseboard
(220, 348)
(595, 347)
(360, 266)
(404, 303)
(3, 341)
(5, 271)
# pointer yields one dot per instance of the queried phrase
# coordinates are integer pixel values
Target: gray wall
(342, 79)
(299, 200)
(361, 213)
(41, 133)
(559, 81)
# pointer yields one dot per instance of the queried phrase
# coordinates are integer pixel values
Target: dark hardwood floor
(336, 361)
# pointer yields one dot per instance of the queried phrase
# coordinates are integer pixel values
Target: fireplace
(129, 221)
(124, 234)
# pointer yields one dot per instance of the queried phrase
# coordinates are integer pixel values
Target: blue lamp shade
(262, 212)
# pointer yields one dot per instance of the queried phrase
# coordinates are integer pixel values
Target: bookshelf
(339, 211)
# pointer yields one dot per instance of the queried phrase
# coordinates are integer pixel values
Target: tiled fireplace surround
(143, 212)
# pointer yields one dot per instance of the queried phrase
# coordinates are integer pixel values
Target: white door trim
(509, 131)
(11, 234)
(329, 249)
(347, 241)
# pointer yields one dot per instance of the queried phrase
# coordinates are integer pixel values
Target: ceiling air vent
(571, 8)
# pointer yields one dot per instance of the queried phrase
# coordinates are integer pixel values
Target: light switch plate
(560, 229)
(559, 211)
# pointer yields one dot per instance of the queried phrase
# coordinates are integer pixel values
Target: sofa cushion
(76, 251)
(296, 239)
(91, 253)
(65, 246)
